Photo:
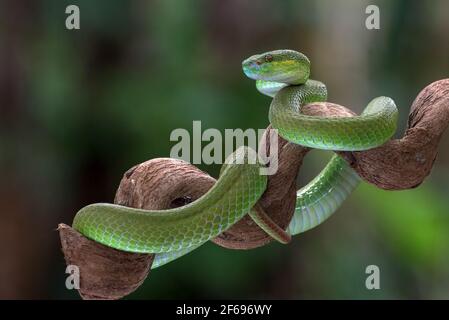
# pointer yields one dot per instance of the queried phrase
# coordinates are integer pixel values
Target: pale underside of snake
(283, 75)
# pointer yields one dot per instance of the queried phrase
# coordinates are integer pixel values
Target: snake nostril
(258, 62)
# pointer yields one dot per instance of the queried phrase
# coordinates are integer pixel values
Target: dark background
(78, 108)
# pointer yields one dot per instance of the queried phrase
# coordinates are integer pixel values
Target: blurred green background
(78, 108)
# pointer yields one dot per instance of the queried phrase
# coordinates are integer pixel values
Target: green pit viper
(284, 76)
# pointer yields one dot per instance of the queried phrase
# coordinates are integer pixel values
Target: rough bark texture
(105, 273)
(164, 183)
(405, 163)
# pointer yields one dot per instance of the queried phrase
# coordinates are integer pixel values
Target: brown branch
(405, 163)
(166, 183)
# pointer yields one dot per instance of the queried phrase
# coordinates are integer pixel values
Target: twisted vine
(165, 183)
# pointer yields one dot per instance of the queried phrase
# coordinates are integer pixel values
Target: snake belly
(284, 76)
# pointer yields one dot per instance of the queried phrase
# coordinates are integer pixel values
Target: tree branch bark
(165, 183)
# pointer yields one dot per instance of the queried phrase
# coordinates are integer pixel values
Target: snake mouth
(252, 68)
(284, 66)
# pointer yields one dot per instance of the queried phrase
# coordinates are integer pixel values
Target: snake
(283, 75)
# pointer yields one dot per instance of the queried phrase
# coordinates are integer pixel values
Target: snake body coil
(320, 198)
(283, 75)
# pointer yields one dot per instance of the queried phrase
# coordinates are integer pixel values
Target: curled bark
(405, 163)
(105, 273)
(164, 183)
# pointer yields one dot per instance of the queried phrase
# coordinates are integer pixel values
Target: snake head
(286, 66)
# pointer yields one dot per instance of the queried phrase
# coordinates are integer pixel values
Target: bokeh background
(78, 108)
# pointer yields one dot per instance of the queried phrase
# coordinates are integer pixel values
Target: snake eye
(268, 58)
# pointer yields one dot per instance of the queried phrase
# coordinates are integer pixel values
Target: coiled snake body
(283, 75)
